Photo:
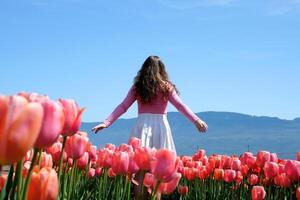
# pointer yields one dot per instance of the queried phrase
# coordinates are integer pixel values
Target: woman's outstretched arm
(119, 110)
(186, 111)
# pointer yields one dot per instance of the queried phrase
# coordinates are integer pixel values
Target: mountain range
(228, 133)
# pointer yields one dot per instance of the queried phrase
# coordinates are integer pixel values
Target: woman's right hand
(99, 127)
(201, 125)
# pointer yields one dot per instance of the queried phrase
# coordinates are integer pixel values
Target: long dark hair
(151, 78)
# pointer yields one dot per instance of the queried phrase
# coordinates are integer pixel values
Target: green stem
(24, 194)
(61, 156)
(40, 158)
(16, 183)
(6, 189)
(153, 196)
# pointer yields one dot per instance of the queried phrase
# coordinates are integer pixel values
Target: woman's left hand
(201, 125)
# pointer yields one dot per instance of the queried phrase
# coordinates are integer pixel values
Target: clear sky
(223, 55)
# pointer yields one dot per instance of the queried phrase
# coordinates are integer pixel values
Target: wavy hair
(151, 78)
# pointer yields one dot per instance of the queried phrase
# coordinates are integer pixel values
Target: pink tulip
(271, 169)
(253, 179)
(20, 124)
(190, 173)
(110, 146)
(229, 175)
(25, 169)
(46, 160)
(72, 115)
(135, 142)
(244, 157)
(199, 155)
(132, 166)
(183, 190)
(83, 161)
(298, 193)
(125, 147)
(148, 179)
(274, 157)
(262, 157)
(236, 165)
(143, 157)
(203, 173)
(91, 173)
(53, 122)
(76, 145)
(292, 169)
(120, 162)
(163, 165)
(104, 157)
(239, 177)
(92, 150)
(258, 193)
(169, 187)
(226, 162)
(55, 151)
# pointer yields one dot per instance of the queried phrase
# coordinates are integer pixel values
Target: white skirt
(154, 131)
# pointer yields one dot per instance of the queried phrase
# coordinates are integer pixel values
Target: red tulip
(298, 155)
(76, 145)
(72, 116)
(110, 146)
(226, 162)
(190, 173)
(143, 157)
(229, 175)
(298, 193)
(199, 155)
(292, 169)
(120, 162)
(111, 173)
(83, 161)
(183, 190)
(282, 180)
(46, 160)
(163, 165)
(25, 169)
(274, 157)
(148, 179)
(169, 187)
(253, 179)
(92, 150)
(53, 122)
(3, 179)
(98, 171)
(125, 147)
(20, 124)
(244, 157)
(43, 185)
(132, 166)
(218, 174)
(271, 169)
(135, 142)
(258, 193)
(203, 173)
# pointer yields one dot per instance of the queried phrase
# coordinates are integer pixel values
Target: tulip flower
(91, 172)
(104, 157)
(229, 175)
(203, 173)
(282, 180)
(46, 160)
(111, 173)
(271, 169)
(132, 166)
(148, 179)
(20, 124)
(190, 173)
(83, 161)
(120, 162)
(98, 171)
(226, 162)
(169, 187)
(292, 169)
(253, 179)
(298, 155)
(274, 157)
(236, 165)
(298, 193)
(258, 193)
(76, 145)
(53, 121)
(3, 179)
(163, 165)
(43, 185)
(55, 151)
(262, 157)
(92, 150)
(135, 142)
(218, 174)
(72, 115)
(183, 190)
(143, 157)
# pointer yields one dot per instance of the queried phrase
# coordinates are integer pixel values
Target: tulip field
(45, 156)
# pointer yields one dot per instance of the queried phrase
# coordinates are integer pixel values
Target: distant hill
(228, 133)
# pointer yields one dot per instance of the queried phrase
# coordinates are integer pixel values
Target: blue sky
(223, 55)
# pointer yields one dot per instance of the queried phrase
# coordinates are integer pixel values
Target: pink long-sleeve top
(157, 106)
